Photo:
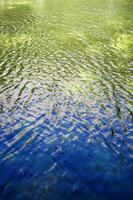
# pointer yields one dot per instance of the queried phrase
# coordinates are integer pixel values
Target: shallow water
(66, 100)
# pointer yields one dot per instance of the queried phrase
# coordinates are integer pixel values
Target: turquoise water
(66, 122)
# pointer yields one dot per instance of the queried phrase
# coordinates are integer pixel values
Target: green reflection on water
(79, 46)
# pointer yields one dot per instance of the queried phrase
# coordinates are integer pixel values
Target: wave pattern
(66, 99)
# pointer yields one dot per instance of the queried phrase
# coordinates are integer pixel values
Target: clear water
(66, 100)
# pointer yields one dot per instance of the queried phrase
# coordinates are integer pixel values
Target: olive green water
(80, 47)
(60, 59)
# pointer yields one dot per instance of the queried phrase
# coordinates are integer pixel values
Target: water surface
(66, 100)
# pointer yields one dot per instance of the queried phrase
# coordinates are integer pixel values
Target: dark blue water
(66, 122)
(74, 160)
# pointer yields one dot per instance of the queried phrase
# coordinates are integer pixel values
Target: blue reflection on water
(69, 160)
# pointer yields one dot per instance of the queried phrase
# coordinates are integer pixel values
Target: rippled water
(66, 100)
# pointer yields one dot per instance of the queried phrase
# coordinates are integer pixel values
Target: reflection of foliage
(125, 42)
(91, 39)
(14, 20)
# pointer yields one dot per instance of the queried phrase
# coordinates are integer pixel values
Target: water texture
(66, 100)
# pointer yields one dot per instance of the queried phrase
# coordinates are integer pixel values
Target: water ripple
(65, 99)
